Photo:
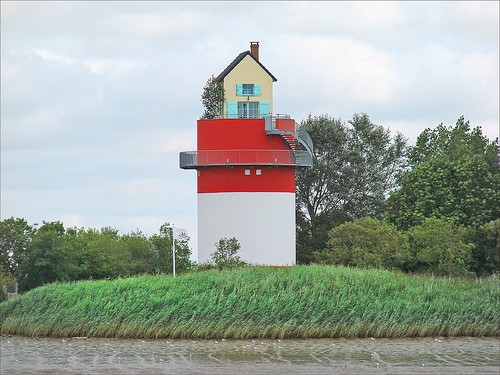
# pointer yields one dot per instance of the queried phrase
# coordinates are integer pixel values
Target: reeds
(257, 302)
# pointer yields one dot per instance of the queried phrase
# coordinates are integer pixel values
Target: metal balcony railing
(219, 158)
(250, 116)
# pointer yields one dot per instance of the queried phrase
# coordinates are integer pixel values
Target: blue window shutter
(264, 109)
(239, 89)
(232, 109)
(256, 89)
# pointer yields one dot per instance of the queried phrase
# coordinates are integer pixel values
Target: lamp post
(173, 252)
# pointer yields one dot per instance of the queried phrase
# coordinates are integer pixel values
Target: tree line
(370, 200)
(34, 256)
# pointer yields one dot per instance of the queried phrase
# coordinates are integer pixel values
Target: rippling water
(20, 355)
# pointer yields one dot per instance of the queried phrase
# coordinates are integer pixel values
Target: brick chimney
(254, 50)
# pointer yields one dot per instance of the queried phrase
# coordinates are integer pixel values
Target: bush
(486, 252)
(366, 243)
(225, 255)
(438, 247)
(7, 283)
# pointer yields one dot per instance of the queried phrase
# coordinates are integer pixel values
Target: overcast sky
(98, 98)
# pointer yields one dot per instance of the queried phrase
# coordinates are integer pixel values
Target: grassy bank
(297, 302)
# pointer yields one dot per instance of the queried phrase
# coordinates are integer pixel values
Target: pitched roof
(236, 61)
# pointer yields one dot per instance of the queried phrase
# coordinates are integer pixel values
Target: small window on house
(248, 89)
(258, 172)
(247, 172)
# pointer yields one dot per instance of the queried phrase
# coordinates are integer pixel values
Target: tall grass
(254, 302)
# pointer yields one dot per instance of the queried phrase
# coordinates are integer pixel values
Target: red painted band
(242, 179)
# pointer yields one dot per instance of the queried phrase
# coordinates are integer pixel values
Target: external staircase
(291, 137)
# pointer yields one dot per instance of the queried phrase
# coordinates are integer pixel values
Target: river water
(20, 355)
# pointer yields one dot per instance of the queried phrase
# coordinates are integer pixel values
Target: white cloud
(365, 19)
(34, 128)
(474, 19)
(50, 56)
(410, 129)
(169, 141)
(444, 83)
(99, 66)
(95, 65)
(375, 16)
(325, 74)
(176, 23)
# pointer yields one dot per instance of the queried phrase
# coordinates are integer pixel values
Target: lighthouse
(246, 161)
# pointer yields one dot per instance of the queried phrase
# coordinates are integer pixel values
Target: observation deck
(298, 152)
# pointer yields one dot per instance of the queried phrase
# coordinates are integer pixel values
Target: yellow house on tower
(248, 86)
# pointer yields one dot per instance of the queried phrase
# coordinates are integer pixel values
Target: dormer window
(247, 89)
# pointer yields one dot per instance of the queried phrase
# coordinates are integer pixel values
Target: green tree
(376, 160)
(212, 99)
(366, 243)
(140, 252)
(355, 166)
(98, 254)
(87, 260)
(46, 257)
(15, 236)
(486, 252)
(225, 255)
(455, 174)
(438, 246)
(116, 262)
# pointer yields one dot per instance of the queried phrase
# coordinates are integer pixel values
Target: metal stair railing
(300, 135)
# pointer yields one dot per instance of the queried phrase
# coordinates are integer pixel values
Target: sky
(98, 98)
